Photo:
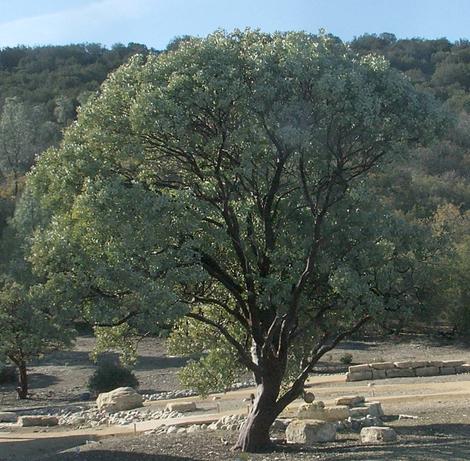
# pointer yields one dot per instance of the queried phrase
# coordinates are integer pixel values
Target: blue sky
(156, 22)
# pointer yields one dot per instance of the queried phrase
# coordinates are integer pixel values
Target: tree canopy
(228, 181)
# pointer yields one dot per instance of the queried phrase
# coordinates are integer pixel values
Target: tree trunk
(254, 434)
(22, 389)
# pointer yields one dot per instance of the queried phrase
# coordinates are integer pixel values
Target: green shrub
(346, 358)
(8, 374)
(109, 376)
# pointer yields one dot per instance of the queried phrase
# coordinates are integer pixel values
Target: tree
(30, 328)
(227, 182)
(16, 140)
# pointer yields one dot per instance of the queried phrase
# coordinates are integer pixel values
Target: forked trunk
(22, 389)
(254, 434)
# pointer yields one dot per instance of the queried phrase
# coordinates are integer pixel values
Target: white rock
(378, 435)
(334, 413)
(122, 398)
(181, 407)
(310, 431)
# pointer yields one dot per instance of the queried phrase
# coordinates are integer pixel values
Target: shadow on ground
(41, 380)
(103, 455)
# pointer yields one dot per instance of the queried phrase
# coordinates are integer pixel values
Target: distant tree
(17, 136)
(227, 183)
(30, 327)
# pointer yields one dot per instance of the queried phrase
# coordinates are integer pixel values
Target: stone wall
(382, 370)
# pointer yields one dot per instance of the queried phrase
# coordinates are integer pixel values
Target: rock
(427, 371)
(400, 373)
(358, 411)
(122, 398)
(8, 417)
(453, 363)
(447, 370)
(38, 420)
(382, 365)
(171, 429)
(335, 413)
(310, 431)
(410, 364)
(350, 401)
(379, 374)
(308, 397)
(375, 409)
(407, 417)
(465, 368)
(182, 407)
(378, 435)
(193, 428)
(359, 375)
(278, 426)
(358, 368)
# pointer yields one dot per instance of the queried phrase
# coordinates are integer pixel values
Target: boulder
(382, 365)
(120, 399)
(334, 413)
(310, 431)
(375, 434)
(427, 371)
(38, 420)
(8, 417)
(435, 363)
(182, 407)
(359, 375)
(350, 401)
(400, 373)
(375, 409)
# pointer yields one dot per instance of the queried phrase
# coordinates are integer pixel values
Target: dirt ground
(440, 406)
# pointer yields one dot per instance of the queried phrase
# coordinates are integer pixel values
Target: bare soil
(440, 404)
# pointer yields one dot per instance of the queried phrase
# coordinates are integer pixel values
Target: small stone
(181, 407)
(350, 401)
(308, 397)
(378, 435)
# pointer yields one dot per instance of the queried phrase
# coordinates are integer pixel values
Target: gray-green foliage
(227, 181)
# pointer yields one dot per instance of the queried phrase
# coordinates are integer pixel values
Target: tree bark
(22, 389)
(254, 434)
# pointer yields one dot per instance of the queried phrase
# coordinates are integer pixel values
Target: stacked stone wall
(383, 370)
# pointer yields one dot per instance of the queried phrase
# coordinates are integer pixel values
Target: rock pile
(94, 417)
(382, 370)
